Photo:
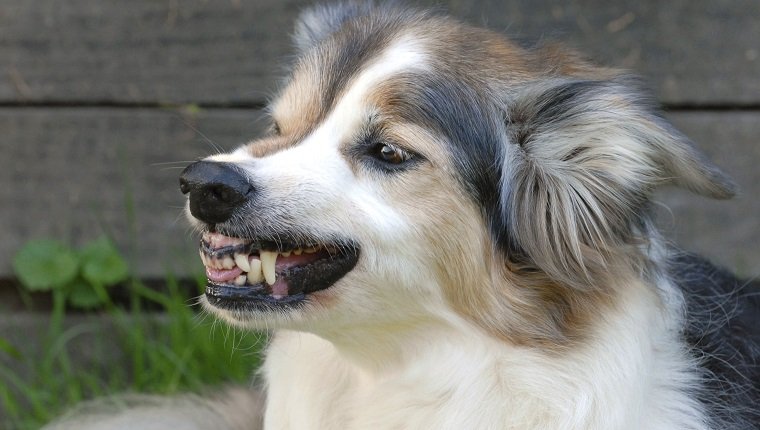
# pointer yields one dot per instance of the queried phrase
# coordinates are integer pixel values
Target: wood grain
(231, 52)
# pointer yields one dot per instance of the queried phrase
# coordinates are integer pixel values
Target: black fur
(723, 327)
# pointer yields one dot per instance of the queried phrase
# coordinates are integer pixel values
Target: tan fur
(299, 106)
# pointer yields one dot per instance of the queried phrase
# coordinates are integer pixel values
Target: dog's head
(421, 168)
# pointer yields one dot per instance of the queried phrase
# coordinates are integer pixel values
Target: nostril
(225, 194)
(184, 186)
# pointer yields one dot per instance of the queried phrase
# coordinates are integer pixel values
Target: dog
(446, 230)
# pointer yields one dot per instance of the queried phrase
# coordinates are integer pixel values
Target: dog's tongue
(216, 241)
(223, 275)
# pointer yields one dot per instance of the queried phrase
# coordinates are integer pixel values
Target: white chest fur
(634, 379)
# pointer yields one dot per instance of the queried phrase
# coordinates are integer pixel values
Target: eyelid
(405, 154)
(371, 138)
(369, 141)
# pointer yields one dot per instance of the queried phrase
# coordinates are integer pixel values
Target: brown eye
(276, 129)
(392, 154)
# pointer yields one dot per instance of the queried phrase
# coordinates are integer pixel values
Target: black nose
(216, 190)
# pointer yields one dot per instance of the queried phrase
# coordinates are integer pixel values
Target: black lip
(252, 298)
(302, 281)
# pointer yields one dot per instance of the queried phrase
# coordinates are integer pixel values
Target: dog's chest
(311, 387)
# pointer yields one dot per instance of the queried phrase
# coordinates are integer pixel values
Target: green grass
(173, 350)
(178, 350)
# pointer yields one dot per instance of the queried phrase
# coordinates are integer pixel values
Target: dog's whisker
(164, 169)
(166, 163)
(218, 149)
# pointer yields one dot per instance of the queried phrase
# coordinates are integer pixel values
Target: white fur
(231, 409)
(453, 376)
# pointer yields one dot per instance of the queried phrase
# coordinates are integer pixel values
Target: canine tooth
(268, 260)
(228, 263)
(297, 251)
(254, 275)
(242, 262)
(240, 280)
(285, 253)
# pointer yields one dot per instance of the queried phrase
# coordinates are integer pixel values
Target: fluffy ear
(584, 159)
(318, 22)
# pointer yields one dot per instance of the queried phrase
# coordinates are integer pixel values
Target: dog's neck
(381, 345)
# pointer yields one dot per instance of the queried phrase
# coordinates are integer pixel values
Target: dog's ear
(582, 163)
(319, 22)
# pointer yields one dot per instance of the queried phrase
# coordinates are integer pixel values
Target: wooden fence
(95, 95)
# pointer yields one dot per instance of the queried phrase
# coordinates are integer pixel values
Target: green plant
(164, 352)
(77, 277)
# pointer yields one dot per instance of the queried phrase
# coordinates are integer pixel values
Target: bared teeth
(254, 275)
(268, 260)
(256, 268)
(242, 262)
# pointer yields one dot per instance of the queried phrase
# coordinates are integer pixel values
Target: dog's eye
(391, 154)
(276, 130)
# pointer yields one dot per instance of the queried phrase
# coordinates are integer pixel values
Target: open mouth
(245, 272)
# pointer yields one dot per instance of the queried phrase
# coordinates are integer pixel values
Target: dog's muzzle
(256, 273)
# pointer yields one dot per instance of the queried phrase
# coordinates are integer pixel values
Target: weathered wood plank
(690, 52)
(96, 166)
(230, 52)
(77, 173)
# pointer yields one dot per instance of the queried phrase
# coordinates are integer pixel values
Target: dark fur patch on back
(723, 327)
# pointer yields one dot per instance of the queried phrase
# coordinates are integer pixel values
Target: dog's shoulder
(723, 328)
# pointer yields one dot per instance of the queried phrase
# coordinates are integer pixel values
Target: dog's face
(419, 169)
